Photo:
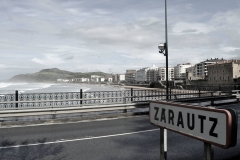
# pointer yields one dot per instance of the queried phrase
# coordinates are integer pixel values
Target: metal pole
(163, 132)
(16, 98)
(81, 96)
(166, 50)
(131, 94)
(163, 144)
(208, 151)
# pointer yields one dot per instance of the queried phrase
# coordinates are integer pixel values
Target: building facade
(227, 72)
(118, 77)
(152, 74)
(162, 73)
(180, 71)
(200, 70)
(130, 76)
(141, 75)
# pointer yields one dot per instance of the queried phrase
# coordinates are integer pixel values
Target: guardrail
(50, 109)
(69, 110)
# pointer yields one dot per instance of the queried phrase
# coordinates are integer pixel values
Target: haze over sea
(10, 88)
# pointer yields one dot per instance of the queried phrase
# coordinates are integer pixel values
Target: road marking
(80, 121)
(80, 139)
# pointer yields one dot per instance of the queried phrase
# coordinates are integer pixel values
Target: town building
(152, 74)
(80, 80)
(63, 80)
(96, 78)
(121, 77)
(148, 74)
(162, 73)
(118, 77)
(226, 72)
(180, 71)
(141, 75)
(130, 76)
(200, 70)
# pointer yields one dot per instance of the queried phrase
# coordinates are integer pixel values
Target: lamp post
(164, 47)
(163, 132)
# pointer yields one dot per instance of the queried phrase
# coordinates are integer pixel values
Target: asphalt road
(124, 138)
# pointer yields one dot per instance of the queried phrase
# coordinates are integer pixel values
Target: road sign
(214, 126)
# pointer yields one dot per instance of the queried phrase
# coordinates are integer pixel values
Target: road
(123, 138)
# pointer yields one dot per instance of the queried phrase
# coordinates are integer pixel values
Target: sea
(10, 88)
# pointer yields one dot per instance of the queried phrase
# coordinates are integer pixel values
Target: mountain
(51, 75)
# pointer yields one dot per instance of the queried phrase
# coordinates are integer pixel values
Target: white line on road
(59, 123)
(80, 139)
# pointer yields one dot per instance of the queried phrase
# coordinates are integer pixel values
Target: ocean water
(10, 88)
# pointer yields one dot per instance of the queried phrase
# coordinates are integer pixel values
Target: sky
(114, 35)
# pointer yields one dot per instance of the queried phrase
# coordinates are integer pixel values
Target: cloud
(115, 34)
(229, 49)
(51, 59)
(191, 28)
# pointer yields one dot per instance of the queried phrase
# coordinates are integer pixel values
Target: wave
(86, 89)
(22, 87)
(5, 84)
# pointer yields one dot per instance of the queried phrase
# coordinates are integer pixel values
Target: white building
(152, 74)
(118, 77)
(162, 73)
(63, 80)
(200, 70)
(121, 77)
(96, 78)
(180, 70)
(80, 80)
(148, 74)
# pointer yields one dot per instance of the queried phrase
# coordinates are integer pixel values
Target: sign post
(210, 125)
(163, 144)
(208, 151)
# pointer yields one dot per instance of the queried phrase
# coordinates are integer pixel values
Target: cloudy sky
(113, 35)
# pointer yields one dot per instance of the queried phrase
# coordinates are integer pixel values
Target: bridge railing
(70, 99)
(50, 106)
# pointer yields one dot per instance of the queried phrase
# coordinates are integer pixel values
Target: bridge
(109, 136)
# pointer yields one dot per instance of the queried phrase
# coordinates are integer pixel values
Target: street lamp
(163, 132)
(161, 48)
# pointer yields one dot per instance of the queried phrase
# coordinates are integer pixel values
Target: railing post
(199, 92)
(131, 94)
(170, 92)
(81, 96)
(124, 102)
(16, 98)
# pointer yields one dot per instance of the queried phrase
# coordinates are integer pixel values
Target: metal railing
(67, 99)
(65, 103)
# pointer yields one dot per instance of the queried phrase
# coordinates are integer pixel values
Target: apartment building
(141, 75)
(118, 77)
(162, 73)
(80, 80)
(180, 71)
(152, 74)
(226, 72)
(148, 74)
(130, 76)
(200, 70)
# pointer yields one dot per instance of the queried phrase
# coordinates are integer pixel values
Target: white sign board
(206, 124)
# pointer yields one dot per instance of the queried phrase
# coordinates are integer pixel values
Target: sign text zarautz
(198, 122)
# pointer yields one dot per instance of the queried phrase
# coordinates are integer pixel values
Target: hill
(51, 75)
